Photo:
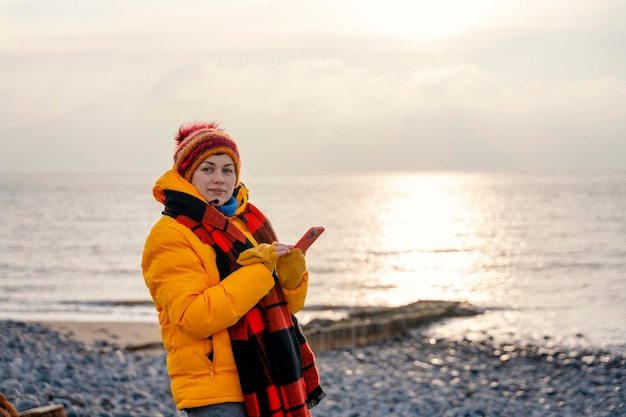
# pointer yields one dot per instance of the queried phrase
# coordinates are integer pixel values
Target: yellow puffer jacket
(195, 309)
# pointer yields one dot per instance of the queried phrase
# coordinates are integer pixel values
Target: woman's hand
(282, 249)
(291, 268)
(264, 253)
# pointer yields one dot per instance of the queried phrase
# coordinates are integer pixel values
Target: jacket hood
(172, 180)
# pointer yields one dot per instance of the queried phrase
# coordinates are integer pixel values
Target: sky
(315, 87)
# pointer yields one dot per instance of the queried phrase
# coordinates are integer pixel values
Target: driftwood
(53, 410)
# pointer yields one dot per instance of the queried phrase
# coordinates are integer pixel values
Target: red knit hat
(195, 142)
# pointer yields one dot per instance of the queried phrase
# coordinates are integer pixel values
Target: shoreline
(362, 327)
(408, 374)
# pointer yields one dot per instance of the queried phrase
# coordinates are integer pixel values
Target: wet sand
(127, 335)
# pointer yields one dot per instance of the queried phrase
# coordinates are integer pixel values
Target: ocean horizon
(543, 253)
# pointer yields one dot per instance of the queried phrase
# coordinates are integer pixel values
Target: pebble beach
(93, 372)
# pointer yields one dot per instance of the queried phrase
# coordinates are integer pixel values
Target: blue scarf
(229, 207)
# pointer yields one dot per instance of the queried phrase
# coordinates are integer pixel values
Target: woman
(226, 290)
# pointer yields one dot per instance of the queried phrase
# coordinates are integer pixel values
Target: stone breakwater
(405, 375)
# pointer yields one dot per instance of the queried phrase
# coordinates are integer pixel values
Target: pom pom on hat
(195, 142)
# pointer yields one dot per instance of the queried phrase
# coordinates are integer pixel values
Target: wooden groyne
(366, 326)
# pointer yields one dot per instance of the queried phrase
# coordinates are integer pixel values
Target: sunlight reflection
(425, 236)
(394, 238)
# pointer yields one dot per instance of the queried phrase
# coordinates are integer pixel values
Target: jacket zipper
(211, 357)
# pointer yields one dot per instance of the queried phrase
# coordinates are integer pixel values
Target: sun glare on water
(425, 239)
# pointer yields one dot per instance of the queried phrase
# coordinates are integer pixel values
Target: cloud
(514, 94)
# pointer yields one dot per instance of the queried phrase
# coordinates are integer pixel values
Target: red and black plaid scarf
(276, 366)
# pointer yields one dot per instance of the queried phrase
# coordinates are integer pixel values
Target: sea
(542, 254)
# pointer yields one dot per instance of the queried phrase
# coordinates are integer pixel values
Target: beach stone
(404, 375)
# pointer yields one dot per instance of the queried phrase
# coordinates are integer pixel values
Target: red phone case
(308, 238)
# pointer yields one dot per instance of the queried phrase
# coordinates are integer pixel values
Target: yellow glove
(291, 269)
(264, 253)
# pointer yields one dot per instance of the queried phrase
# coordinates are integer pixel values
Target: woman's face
(215, 179)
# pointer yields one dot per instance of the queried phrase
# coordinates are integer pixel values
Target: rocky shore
(417, 376)
(403, 374)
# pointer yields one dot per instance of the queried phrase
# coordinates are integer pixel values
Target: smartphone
(308, 238)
